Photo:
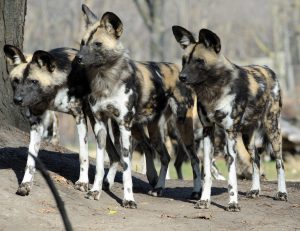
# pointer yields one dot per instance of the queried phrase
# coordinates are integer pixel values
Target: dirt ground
(174, 211)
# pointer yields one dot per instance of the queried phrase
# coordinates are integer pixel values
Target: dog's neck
(217, 78)
(103, 80)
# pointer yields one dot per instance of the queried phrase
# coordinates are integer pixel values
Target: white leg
(144, 164)
(255, 159)
(100, 131)
(36, 133)
(215, 171)
(168, 174)
(232, 179)
(110, 178)
(55, 135)
(126, 151)
(83, 181)
(204, 202)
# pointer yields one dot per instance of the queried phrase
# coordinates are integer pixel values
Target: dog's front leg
(36, 132)
(83, 182)
(126, 150)
(101, 133)
(233, 205)
(204, 202)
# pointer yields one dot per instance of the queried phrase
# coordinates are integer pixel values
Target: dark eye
(200, 61)
(97, 44)
(34, 81)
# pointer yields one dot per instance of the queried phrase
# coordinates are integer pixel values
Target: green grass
(292, 169)
(292, 166)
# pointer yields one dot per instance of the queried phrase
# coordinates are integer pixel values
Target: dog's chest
(117, 104)
(221, 111)
(64, 103)
(61, 101)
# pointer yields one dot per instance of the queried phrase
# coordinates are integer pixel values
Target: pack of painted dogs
(129, 102)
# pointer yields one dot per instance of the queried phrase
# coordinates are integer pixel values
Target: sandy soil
(174, 211)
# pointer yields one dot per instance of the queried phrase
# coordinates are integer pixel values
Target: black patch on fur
(77, 82)
(219, 116)
(158, 97)
(61, 56)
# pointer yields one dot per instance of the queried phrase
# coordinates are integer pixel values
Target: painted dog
(244, 101)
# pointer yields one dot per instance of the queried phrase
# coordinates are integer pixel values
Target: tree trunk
(12, 22)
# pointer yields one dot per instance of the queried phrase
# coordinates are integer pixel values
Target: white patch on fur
(173, 105)
(16, 60)
(275, 89)
(185, 41)
(118, 98)
(281, 177)
(61, 100)
(110, 178)
(225, 105)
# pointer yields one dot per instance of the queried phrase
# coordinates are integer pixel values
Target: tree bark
(12, 20)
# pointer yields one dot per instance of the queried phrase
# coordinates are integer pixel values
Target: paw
(129, 204)
(252, 194)
(83, 187)
(233, 207)
(93, 195)
(157, 192)
(202, 204)
(281, 196)
(195, 195)
(24, 189)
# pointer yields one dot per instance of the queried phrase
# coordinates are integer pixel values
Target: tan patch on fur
(46, 78)
(242, 151)
(147, 86)
(171, 75)
(89, 30)
(18, 71)
(208, 55)
(253, 85)
(103, 37)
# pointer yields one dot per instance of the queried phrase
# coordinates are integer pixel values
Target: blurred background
(252, 32)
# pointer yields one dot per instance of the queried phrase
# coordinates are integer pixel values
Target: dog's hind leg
(113, 149)
(101, 133)
(275, 142)
(158, 144)
(186, 141)
(139, 133)
(255, 160)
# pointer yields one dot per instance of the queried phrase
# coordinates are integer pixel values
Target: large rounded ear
(183, 36)
(210, 40)
(112, 23)
(44, 60)
(14, 55)
(89, 16)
